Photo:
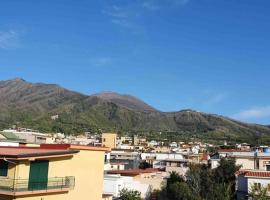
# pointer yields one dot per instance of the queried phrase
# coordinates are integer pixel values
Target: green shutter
(3, 168)
(38, 175)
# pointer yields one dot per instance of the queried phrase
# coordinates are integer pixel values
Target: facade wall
(263, 163)
(263, 181)
(247, 163)
(86, 166)
(109, 140)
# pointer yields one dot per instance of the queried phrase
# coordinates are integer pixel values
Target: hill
(32, 105)
(126, 101)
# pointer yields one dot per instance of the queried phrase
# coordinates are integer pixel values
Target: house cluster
(34, 165)
(137, 164)
(129, 154)
(254, 173)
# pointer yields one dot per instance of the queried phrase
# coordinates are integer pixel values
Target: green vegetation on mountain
(32, 105)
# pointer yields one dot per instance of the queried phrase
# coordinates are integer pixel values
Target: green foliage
(225, 172)
(203, 183)
(258, 193)
(181, 191)
(174, 178)
(130, 195)
(144, 165)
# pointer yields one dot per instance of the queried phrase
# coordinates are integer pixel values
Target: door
(38, 175)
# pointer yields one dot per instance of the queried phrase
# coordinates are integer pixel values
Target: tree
(144, 165)
(225, 172)
(126, 194)
(174, 178)
(201, 183)
(181, 191)
(222, 191)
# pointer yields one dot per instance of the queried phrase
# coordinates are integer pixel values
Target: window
(3, 168)
(257, 186)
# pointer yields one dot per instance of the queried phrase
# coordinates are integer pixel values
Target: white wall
(264, 182)
(113, 184)
(162, 156)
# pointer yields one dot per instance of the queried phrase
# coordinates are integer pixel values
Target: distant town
(35, 164)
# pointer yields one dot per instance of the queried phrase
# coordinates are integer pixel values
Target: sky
(207, 55)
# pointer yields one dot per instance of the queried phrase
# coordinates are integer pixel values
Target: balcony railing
(24, 185)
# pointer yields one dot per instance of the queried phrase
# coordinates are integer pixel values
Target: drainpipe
(14, 163)
(255, 159)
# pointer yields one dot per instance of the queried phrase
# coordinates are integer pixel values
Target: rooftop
(231, 150)
(28, 152)
(74, 147)
(133, 172)
(9, 135)
(253, 173)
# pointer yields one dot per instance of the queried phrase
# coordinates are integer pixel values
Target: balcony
(22, 187)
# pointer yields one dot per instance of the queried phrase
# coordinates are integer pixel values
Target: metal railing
(24, 185)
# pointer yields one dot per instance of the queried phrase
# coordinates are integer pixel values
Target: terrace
(22, 187)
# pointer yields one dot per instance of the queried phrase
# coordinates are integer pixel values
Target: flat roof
(75, 147)
(133, 172)
(28, 152)
(231, 150)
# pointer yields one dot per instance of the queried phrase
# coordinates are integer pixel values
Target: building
(30, 136)
(130, 159)
(51, 172)
(144, 181)
(109, 140)
(246, 179)
(246, 159)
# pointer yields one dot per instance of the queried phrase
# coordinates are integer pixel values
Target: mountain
(32, 105)
(126, 101)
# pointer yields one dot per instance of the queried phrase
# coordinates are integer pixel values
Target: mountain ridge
(32, 104)
(125, 100)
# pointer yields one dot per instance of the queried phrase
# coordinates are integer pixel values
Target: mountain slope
(32, 105)
(126, 101)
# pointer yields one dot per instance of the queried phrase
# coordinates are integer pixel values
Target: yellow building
(109, 140)
(51, 172)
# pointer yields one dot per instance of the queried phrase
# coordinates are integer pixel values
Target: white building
(246, 179)
(114, 183)
(31, 136)
(249, 160)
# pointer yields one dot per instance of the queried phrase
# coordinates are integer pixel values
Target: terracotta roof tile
(253, 173)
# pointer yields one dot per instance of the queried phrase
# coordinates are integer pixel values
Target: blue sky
(207, 55)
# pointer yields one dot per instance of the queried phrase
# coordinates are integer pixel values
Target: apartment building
(51, 172)
(109, 140)
(143, 181)
(246, 159)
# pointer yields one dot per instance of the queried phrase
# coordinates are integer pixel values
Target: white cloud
(102, 61)
(217, 98)
(253, 113)
(121, 15)
(9, 39)
(159, 4)
(127, 15)
(212, 98)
